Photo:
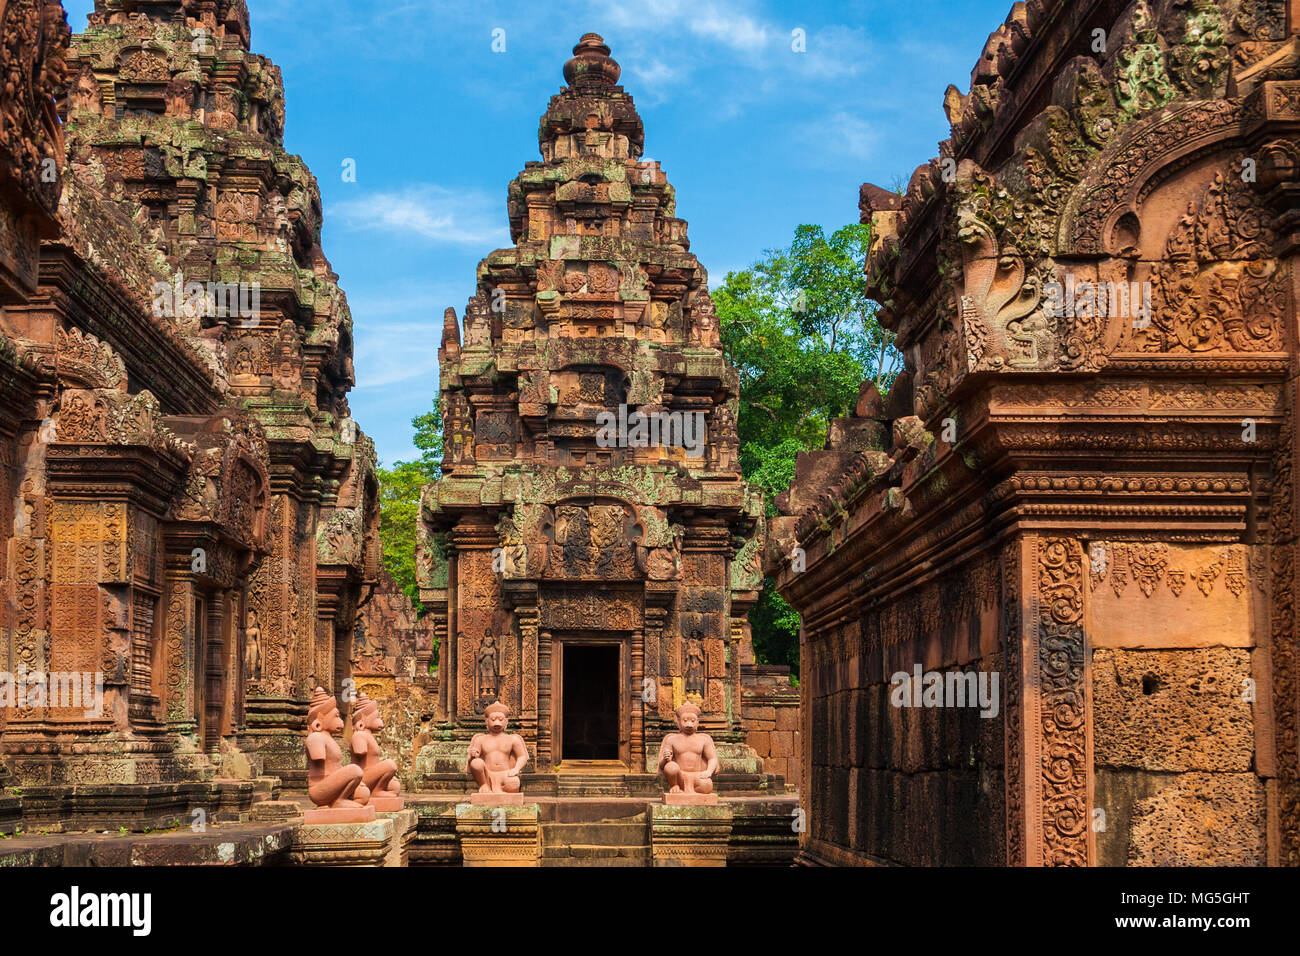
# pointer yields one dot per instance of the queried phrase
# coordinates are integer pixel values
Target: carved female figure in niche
(488, 668)
(253, 648)
(695, 665)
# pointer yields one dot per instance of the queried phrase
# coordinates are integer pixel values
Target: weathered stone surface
(690, 835)
(218, 846)
(771, 713)
(1173, 710)
(344, 844)
(1201, 819)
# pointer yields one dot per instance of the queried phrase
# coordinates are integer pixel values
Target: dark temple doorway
(590, 702)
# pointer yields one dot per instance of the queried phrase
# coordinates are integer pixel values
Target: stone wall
(770, 710)
(1095, 504)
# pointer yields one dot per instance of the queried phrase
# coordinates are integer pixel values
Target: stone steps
(624, 843)
(591, 785)
(580, 856)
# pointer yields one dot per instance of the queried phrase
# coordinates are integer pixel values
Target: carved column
(239, 653)
(1051, 752)
(736, 637)
(214, 672)
(442, 607)
(527, 617)
(477, 599)
(178, 652)
(545, 703)
(637, 690)
(658, 666)
(273, 708)
(144, 620)
(1013, 665)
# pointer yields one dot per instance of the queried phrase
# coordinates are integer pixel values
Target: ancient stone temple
(591, 552)
(1084, 483)
(188, 513)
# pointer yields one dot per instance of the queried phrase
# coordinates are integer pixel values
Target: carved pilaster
(478, 612)
(178, 651)
(1013, 656)
(545, 705)
(637, 668)
(1057, 718)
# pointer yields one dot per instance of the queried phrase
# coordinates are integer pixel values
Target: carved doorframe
(623, 640)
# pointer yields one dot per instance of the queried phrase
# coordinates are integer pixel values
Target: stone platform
(135, 807)
(228, 845)
(690, 834)
(405, 822)
(606, 831)
(342, 844)
(604, 784)
(505, 834)
(442, 830)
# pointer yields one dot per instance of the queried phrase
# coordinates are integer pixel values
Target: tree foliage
(399, 502)
(803, 335)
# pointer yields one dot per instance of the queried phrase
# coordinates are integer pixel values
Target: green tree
(803, 335)
(399, 502)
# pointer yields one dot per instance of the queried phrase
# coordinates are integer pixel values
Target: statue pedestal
(340, 815)
(496, 799)
(690, 799)
(387, 804)
(342, 844)
(689, 835)
(405, 825)
(499, 835)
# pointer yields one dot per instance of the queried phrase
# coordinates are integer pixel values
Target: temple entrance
(590, 702)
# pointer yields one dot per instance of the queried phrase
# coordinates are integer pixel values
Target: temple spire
(593, 115)
(591, 65)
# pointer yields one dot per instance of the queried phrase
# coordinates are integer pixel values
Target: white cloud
(836, 53)
(396, 352)
(729, 27)
(429, 212)
(720, 21)
(842, 135)
(656, 74)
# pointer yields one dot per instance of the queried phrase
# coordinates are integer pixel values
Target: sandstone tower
(194, 512)
(589, 584)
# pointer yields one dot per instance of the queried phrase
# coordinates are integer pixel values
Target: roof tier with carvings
(170, 114)
(599, 305)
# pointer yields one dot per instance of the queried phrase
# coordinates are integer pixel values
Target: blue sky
(755, 137)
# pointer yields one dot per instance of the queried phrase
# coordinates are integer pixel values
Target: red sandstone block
(760, 740)
(761, 714)
(782, 744)
(791, 772)
(787, 718)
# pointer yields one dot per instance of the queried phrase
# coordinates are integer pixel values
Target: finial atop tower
(591, 64)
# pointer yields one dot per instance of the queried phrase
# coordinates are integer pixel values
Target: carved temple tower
(202, 509)
(589, 584)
